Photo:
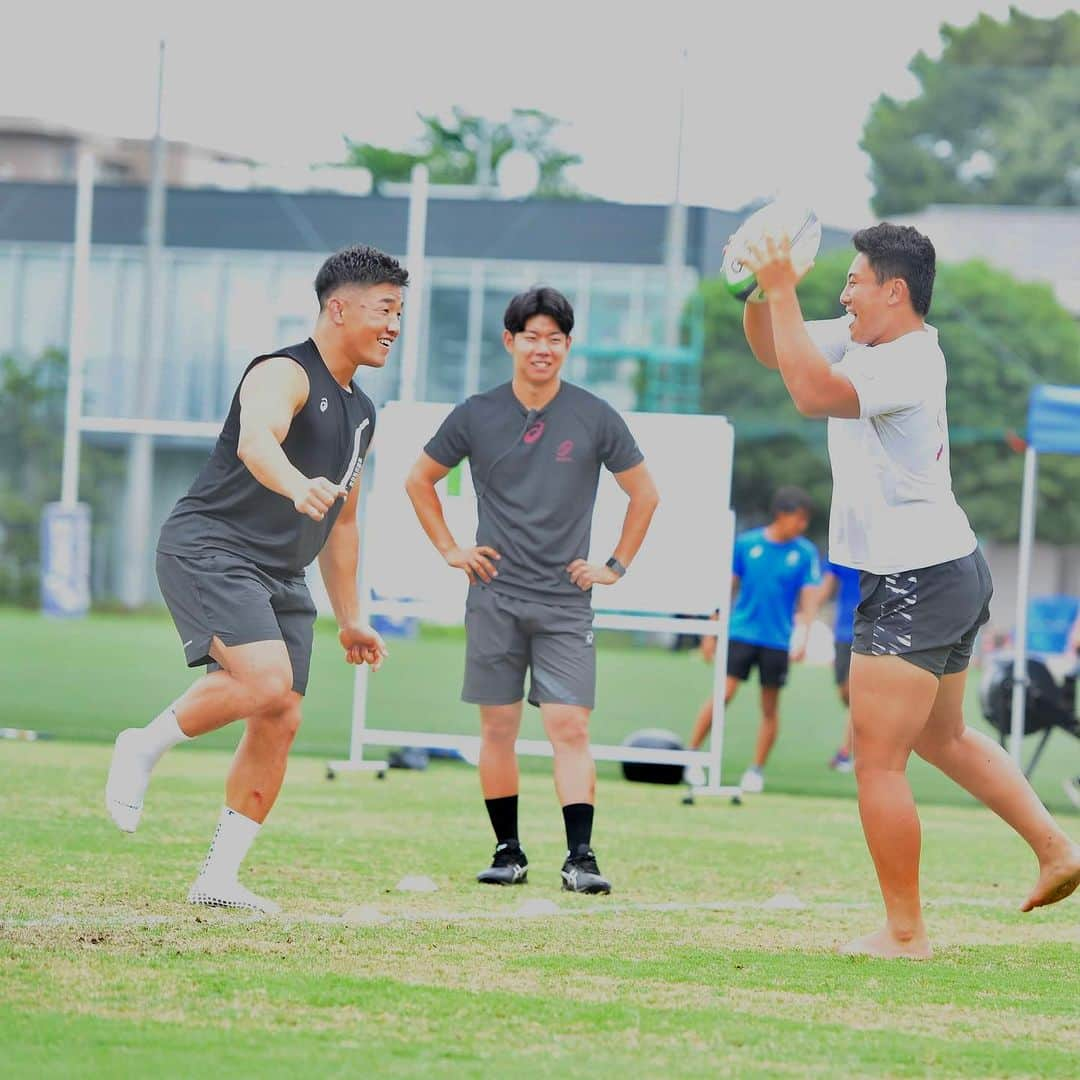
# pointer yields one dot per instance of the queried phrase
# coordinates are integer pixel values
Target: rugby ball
(781, 217)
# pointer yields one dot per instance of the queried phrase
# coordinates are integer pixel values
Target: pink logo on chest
(566, 448)
(534, 433)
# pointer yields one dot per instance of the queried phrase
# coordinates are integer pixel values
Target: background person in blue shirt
(843, 583)
(775, 572)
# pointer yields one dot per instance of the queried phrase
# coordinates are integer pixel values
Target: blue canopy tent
(1053, 428)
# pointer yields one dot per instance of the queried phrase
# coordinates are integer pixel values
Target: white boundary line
(540, 908)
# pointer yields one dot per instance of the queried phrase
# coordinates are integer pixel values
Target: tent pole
(1023, 587)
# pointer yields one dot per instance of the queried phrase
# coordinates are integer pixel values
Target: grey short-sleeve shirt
(535, 475)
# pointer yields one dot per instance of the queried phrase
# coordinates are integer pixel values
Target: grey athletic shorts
(231, 598)
(929, 617)
(505, 635)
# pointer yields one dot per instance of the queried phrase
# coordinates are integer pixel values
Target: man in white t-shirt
(879, 376)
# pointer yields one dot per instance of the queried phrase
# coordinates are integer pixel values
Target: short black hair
(788, 500)
(899, 251)
(539, 300)
(358, 265)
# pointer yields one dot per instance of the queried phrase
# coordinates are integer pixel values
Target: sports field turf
(694, 966)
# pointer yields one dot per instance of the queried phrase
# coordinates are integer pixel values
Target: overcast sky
(775, 98)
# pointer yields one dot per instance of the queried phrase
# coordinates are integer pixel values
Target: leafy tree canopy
(996, 121)
(453, 149)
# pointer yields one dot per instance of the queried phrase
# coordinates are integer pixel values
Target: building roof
(581, 231)
(44, 128)
(1033, 243)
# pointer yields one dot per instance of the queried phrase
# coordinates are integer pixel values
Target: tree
(774, 445)
(453, 151)
(997, 120)
(32, 398)
(1000, 338)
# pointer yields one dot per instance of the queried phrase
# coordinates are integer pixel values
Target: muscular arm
(271, 395)
(644, 499)
(339, 560)
(477, 562)
(815, 388)
(757, 326)
(420, 487)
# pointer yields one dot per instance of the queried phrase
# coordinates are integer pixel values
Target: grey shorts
(507, 635)
(226, 596)
(929, 617)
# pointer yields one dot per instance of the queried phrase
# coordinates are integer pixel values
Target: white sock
(233, 837)
(161, 734)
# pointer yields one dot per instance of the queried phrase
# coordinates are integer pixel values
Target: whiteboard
(683, 567)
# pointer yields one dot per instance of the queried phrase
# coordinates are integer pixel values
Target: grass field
(87, 680)
(692, 967)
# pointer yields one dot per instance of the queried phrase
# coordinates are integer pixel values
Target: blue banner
(65, 560)
(1054, 419)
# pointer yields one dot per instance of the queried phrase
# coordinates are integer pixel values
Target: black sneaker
(507, 866)
(581, 874)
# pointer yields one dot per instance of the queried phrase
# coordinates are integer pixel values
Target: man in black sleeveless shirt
(280, 488)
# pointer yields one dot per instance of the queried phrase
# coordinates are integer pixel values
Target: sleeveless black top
(228, 510)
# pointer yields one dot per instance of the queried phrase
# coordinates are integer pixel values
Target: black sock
(503, 814)
(578, 818)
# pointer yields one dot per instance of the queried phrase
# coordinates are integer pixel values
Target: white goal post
(684, 566)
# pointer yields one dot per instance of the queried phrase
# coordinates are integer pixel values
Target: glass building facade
(221, 307)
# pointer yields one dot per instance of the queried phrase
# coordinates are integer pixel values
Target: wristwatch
(614, 564)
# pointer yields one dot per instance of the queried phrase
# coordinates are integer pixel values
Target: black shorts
(842, 662)
(772, 664)
(929, 617)
(230, 598)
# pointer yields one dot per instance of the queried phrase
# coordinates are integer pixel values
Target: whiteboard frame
(711, 760)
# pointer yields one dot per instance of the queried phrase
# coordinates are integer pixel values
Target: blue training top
(847, 599)
(771, 576)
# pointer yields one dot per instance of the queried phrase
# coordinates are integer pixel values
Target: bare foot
(887, 946)
(1056, 881)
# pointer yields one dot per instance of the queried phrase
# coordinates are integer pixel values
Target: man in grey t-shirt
(535, 446)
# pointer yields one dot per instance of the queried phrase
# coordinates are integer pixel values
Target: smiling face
(879, 309)
(538, 351)
(367, 319)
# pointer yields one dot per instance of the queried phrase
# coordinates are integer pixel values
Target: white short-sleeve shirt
(893, 506)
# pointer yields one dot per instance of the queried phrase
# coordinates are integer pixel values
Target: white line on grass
(371, 915)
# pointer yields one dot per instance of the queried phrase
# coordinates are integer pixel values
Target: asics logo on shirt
(566, 449)
(534, 433)
(324, 405)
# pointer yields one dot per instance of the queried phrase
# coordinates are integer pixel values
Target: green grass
(86, 680)
(683, 971)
